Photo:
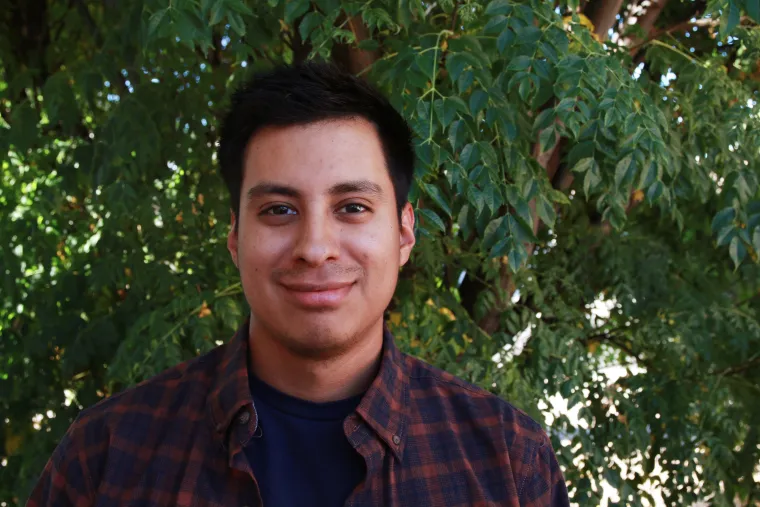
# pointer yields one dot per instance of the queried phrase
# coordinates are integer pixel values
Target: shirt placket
(371, 449)
(244, 428)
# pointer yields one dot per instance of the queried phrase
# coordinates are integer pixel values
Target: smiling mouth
(318, 295)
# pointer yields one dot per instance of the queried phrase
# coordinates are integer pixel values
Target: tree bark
(603, 14)
(645, 22)
(350, 57)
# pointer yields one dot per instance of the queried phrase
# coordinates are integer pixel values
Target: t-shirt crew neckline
(297, 407)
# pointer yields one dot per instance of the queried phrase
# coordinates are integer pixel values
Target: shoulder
(468, 401)
(75, 467)
(142, 409)
(158, 395)
(481, 420)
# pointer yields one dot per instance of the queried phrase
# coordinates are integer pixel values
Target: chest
(214, 476)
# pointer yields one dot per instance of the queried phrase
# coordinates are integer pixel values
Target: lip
(318, 295)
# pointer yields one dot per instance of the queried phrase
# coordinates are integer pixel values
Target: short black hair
(306, 93)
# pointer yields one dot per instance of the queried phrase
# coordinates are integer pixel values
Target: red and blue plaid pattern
(428, 439)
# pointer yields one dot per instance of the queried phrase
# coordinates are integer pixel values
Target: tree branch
(684, 25)
(90, 22)
(741, 367)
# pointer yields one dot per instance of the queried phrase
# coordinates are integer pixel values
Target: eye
(279, 210)
(354, 208)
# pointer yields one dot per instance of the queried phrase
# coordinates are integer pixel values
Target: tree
(588, 213)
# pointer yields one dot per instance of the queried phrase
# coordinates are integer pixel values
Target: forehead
(317, 155)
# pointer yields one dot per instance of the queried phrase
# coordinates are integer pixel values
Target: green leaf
(655, 191)
(520, 63)
(218, 12)
(517, 256)
(505, 39)
(60, 101)
(723, 218)
(528, 36)
(433, 217)
(236, 23)
(465, 80)
(456, 134)
(544, 119)
(756, 240)
(547, 139)
(437, 196)
(524, 89)
(732, 18)
(737, 251)
(582, 150)
(294, 9)
(456, 103)
(424, 153)
(622, 169)
(239, 6)
(648, 175)
(566, 104)
(462, 220)
(488, 154)
(469, 156)
(368, 44)
(478, 101)
(24, 133)
(545, 211)
(498, 7)
(189, 28)
(457, 62)
(309, 23)
(559, 197)
(591, 180)
(494, 232)
(753, 9)
(438, 107)
(476, 197)
(493, 198)
(521, 229)
(725, 235)
(495, 24)
(154, 22)
(585, 164)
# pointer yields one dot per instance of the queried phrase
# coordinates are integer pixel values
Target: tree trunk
(603, 14)
(645, 21)
(351, 58)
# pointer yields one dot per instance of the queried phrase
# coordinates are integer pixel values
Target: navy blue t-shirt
(300, 455)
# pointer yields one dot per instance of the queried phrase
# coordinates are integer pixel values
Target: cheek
(257, 250)
(376, 251)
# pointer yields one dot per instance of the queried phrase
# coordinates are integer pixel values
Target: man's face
(318, 241)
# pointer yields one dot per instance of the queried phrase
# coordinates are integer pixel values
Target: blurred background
(586, 194)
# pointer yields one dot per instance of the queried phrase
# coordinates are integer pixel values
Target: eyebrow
(356, 187)
(268, 188)
(346, 187)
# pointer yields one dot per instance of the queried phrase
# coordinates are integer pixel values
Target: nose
(317, 240)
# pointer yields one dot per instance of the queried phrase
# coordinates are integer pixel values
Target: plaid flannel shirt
(428, 439)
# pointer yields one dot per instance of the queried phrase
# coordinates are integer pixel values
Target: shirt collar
(384, 407)
(230, 390)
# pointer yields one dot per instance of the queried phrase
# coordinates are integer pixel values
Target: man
(310, 403)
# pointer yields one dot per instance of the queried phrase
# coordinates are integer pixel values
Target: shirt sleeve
(64, 480)
(544, 486)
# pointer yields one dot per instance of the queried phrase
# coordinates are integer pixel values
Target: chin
(317, 336)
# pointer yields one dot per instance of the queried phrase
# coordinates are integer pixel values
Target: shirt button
(396, 439)
(244, 418)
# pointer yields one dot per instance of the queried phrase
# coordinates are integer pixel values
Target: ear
(232, 239)
(406, 234)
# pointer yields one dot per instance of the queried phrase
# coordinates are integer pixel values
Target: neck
(317, 379)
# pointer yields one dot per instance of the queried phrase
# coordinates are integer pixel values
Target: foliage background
(586, 191)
